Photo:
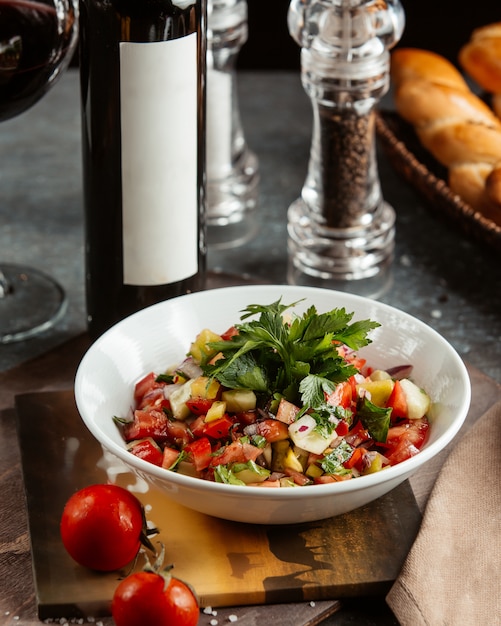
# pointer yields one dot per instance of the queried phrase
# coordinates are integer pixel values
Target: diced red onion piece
(169, 390)
(190, 368)
(400, 371)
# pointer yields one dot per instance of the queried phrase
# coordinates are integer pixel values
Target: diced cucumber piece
(379, 375)
(178, 401)
(239, 400)
(303, 434)
(418, 401)
(250, 472)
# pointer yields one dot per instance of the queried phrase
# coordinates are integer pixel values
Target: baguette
(480, 58)
(452, 123)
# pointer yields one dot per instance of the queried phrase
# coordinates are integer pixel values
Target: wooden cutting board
(229, 564)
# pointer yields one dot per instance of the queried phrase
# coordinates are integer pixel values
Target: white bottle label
(158, 91)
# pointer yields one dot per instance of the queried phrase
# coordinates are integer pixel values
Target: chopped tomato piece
(397, 402)
(356, 460)
(342, 428)
(273, 430)
(287, 411)
(414, 430)
(351, 357)
(356, 361)
(220, 428)
(170, 456)
(353, 382)
(146, 384)
(199, 406)
(273, 484)
(324, 479)
(228, 334)
(197, 426)
(405, 440)
(298, 477)
(331, 478)
(357, 435)
(179, 433)
(313, 458)
(403, 450)
(199, 453)
(147, 424)
(155, 424)
(237, 452)
(153, 398)
(246, 417)
(342, 395)
(147, 450)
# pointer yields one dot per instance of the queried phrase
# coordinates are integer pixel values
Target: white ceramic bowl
(160, 335)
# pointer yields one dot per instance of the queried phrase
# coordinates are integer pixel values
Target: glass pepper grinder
(232, 168)
(341, 231)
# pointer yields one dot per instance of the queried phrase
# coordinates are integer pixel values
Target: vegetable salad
(278, 400)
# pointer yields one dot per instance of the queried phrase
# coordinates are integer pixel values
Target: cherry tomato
(102, 527)
(148, 599)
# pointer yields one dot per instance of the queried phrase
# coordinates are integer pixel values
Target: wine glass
(37, 40)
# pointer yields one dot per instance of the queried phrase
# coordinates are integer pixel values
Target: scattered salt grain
(436, 314)
(208, 610)
(214, 622)
(232, 618)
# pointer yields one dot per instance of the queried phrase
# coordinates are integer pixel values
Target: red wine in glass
(37, 40)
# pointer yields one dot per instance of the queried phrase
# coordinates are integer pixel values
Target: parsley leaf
(224, 474)
(375, 419)
(328, 417)
(313, 389)
(243, 372)
(297, 359)
(332, 463)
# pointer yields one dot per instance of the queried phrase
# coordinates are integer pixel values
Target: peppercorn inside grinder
(341, 231)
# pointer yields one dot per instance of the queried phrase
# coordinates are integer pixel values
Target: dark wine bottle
(143, 73)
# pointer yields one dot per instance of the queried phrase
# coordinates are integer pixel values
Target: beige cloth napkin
(452, 575)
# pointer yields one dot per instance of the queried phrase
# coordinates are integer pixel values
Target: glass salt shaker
(232, 168)
(341, 231)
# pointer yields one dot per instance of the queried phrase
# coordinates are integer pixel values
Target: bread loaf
(480, 58)
(455, 125)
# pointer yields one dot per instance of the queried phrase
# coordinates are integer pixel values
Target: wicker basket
(417, 167)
